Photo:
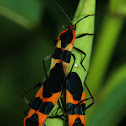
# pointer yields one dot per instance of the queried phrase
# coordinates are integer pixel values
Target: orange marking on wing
(65, 67)
(83, 96)
(82, 118)
(54, 61)
(53, 98)
(69, 98)
(58, 45)
(40, 92)
(25, 120)
(41, 118)
(72, 119)
(30, 113)
(69, 47)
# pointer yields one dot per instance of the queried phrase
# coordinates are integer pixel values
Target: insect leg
(67, 111)
(24, 96)
(85, 17)
(83, 57)
(46, 58)
(56, 115)
(90, 96)
(39, 84)
(83, 35)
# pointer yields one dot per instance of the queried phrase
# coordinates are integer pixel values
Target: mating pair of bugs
(58, 80)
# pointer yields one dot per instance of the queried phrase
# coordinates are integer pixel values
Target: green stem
(12, 15)
(103, 50)
(112, 101)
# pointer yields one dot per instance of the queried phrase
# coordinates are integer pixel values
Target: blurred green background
(27, 31)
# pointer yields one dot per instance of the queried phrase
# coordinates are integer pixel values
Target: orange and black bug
(75, 101)
(66, 41)
(75, 94)
(51, 89)
(46, 97)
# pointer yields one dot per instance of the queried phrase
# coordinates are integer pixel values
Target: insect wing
(74, 95)
(46, 97)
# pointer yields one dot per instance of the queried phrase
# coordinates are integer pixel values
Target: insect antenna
(84, 17)
(62, 11)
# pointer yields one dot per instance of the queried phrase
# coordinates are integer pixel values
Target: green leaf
(24, 12)
(102, 54)
(109, 108)
(118, 7)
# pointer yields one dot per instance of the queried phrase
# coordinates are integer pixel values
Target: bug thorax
(66, 36)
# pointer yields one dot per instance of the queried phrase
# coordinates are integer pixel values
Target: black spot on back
(74, 86)
(55, 81)
(66, 56)
(78, 122)
(79, 109)
(36, 103)
(32, 121)
(46, 107)
(66, 38)
(57, 54)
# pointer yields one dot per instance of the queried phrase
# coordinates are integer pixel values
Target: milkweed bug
(65, 44)
(50, 90)
(46, 97)
(75, 101)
